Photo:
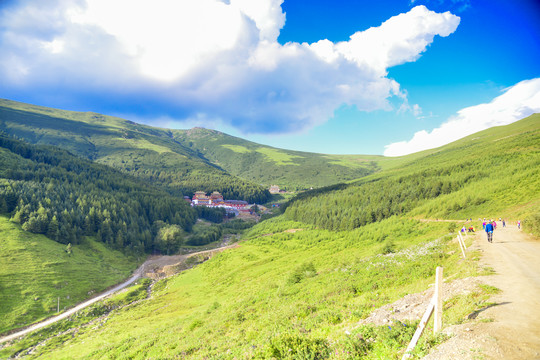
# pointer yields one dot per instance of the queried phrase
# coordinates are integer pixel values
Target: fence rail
(434, 306)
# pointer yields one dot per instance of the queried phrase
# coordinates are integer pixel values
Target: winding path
(52, 320)
(159, 261)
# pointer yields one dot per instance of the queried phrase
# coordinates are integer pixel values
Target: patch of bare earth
(412, 306)
(162, 266)
(292, 231)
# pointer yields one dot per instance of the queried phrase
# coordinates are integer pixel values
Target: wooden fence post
(461, 246)
(438, 300)
(419, 330)
(434, 305)
(463, 242)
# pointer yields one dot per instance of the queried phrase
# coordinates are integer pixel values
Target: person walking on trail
(489, 231)
(519, 224)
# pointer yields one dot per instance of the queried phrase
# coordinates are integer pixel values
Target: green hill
(297, 289)
(52, 192)
(181, 160)
(293, 170)
(35, 271)
(279, 295)
(493, 173)
(142, 151)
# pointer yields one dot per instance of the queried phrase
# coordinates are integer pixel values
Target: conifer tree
(52, 230)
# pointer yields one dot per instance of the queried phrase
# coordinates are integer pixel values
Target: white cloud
(217, 58)
(267, 16)
(168, 38)
(400, 39)
(516, 103)
(417, 110)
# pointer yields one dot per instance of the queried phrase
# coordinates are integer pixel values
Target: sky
(385, 77)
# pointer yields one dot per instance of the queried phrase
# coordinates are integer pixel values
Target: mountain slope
(50, 191)
(268, 165)
(148, 153)
(185, 160)
(489, 174)
(296, 289)
(35, 272)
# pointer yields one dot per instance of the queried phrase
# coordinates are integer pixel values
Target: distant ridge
(187, 160)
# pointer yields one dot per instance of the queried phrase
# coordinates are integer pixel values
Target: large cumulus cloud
(206, 59)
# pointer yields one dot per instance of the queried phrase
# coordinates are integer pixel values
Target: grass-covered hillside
(182, 160)
(494, 173)
(51, 202)
(142, 151)
(280, 295)
(297, 289)
(293, 170)
(35, 271)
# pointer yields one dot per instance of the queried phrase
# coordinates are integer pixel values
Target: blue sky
(356, 77)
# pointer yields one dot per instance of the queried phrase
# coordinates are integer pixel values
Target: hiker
(494, 225)
(519, 224)
(504, 223)
(489, 231)
(484, 225)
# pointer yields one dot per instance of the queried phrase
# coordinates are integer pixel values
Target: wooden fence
(435, 306)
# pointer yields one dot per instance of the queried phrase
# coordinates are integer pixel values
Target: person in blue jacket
(489, 231)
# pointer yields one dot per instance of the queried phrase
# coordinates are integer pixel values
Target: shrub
(532, 223)
(306, 270)
(289, 346)
(388, 248)
(195, 324)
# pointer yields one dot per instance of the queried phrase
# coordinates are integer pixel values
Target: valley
(269, 180)
(300, 282)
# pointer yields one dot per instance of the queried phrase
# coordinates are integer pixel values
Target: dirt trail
(153, 264)
(511, 328)
(52, 320)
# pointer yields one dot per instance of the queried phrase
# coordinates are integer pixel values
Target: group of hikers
(488, 227)
(491, 225)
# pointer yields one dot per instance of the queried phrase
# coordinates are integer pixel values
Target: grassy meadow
(291, 291)
(35, 271)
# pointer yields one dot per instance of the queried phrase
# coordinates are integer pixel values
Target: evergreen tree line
(186, 178)
(205, 235)
(51, 192)
(346, 207)
(215, 215)
(495, 170)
